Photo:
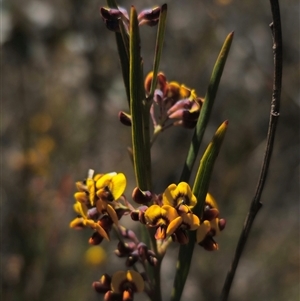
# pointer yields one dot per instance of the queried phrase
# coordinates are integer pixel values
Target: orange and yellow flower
(211, 226)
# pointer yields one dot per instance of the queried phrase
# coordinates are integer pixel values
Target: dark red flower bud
(125, 118)
(222, 224)
(132, 259)
(141, 197)
(95, 239)
(125, 249)
(103, 285)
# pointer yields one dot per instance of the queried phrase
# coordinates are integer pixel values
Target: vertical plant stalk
(139, 110)
(274, 116)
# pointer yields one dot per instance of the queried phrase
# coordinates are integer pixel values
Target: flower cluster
(174, 101)
(172, 216)
(98, 206)
(210, 226)
(121, 286)
(171, 101)
(96, 203)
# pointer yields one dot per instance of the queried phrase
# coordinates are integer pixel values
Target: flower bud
(125, 249)
(125, 118)
(103, 285)
(150, 23)
(112, 296)
(95, 239)
(139, 215)
(210, 213)
(152, 260)
(141, 197)
(132, 259)
(222, 224)
(149, 14)
(161, 82)
(142, 251)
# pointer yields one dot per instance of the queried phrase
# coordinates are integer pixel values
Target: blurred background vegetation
(62, 89)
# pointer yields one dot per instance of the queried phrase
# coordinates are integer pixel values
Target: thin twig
(274, 115)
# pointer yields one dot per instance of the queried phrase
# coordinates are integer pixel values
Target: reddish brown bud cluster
(112, 17)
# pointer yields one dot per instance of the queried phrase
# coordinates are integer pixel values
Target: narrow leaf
(137, 107)
(205, 169)
(206, 109)
(158, 48)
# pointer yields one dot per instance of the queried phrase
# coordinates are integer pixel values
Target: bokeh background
(62, 89)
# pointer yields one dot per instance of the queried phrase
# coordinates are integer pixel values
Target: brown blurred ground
(62, 90)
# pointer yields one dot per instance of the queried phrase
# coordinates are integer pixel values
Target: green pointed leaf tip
(205, 169)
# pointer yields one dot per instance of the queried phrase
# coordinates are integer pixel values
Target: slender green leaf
(204, 172)
(122, 41)
(137, 108)
(206, 109)
(200, 190)
(159, 45)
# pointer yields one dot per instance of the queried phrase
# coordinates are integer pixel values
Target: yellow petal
(118, 185)
(101, 231)
(170, 212)
(112, 213)
(81, 197)
(174, 225)
(211, 201)
(105, 180)
(80, 186)
(191, 220)
(202, 231)
(184, 92)
(190, 200)
(215, 225)
(91, 189)
(152, 213)
(179, 194)
(81, 209)
(97, 177)
(77, 223)
(169, 196)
